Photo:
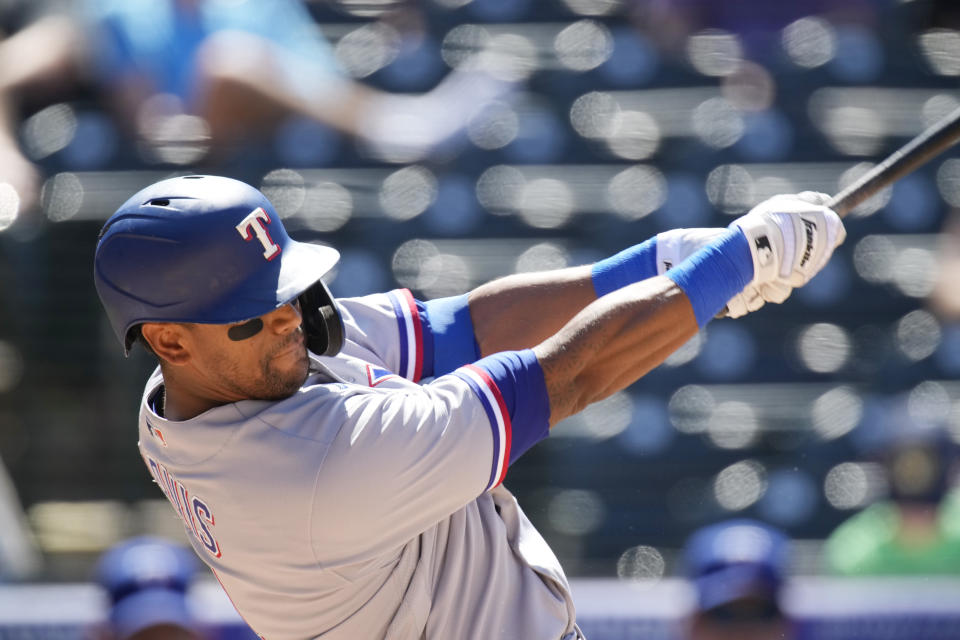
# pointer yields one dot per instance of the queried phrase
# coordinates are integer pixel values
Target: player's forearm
(624, 334)
(613, 342)
(521, 310)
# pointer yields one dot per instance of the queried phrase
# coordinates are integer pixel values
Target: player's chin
(281, 385)
(284, 376)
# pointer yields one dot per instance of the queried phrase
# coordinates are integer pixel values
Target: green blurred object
(898, 539)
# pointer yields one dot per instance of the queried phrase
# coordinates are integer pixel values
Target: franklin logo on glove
(810, 227)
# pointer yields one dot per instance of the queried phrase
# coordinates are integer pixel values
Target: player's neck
(184, 407)
(181, 402)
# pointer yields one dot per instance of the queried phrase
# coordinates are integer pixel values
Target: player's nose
(286, 318)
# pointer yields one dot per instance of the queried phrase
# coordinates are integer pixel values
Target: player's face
(262, 361)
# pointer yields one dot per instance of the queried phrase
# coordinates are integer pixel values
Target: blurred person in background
(738, 568)
(915, 530)
(217, 73)
(20, 557)
(146, 579)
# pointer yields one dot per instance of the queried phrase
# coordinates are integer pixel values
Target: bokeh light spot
(49, 130)
(690, 408)
(941, 48)
(731, 189)
(740, 485)
(809, 42)
(641, 563)
(718, 123)
(836, 412)
(852, 485)
(637, 191)
(634, 136)
(543, 256)
(733, 425)
(546, 203)
(824, 347)
(368, 49)
(594, 115)
(9, 205)
(918, 334)
(715, 52)
(62, 196)
(576, 512)
(583, 45)
(407, 193)
(873, 259)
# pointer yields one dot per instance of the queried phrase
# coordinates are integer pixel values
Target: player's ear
(166, 339)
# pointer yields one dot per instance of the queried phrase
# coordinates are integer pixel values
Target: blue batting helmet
(210, 250)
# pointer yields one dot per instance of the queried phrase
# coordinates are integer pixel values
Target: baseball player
(339, 463)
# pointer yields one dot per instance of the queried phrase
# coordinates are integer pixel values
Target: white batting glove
(675, 246)
(791, 238)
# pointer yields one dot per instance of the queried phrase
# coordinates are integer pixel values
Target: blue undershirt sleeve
(448, 321)
(633, 264)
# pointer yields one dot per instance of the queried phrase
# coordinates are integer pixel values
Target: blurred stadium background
(635, 117)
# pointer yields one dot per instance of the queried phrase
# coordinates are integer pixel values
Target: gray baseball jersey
(368, 505)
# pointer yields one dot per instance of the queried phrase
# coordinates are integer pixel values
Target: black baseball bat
(933, 141)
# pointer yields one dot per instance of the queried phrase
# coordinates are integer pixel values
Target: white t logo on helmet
(257, 222)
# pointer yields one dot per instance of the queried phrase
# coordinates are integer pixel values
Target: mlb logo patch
(376, 375)
(156, 433)
(764, 250)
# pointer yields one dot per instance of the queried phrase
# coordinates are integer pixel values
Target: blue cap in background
(147, 580)
(736, 560)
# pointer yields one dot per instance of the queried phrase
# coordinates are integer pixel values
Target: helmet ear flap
(322, 323)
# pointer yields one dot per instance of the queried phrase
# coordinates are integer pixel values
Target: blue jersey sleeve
(513, 393)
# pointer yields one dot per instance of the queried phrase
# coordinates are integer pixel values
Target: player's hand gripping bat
(928, 144)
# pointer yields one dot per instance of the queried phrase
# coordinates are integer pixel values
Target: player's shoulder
(327, 400)
(315, 412)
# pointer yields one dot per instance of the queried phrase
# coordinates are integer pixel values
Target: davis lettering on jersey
(195, 513)
(256, 222)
